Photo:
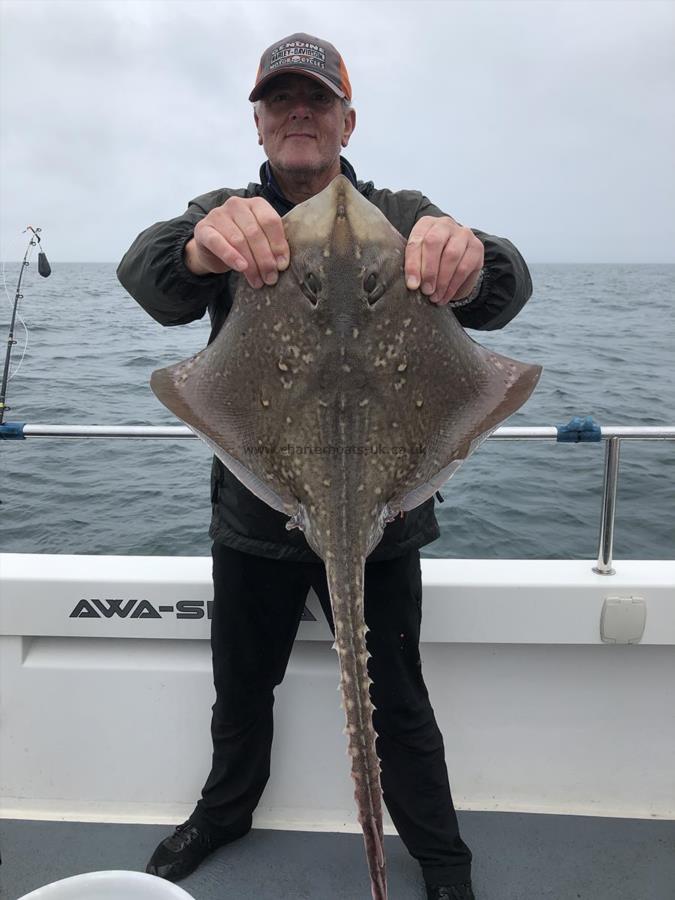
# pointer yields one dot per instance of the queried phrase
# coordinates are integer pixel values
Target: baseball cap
(306, 55)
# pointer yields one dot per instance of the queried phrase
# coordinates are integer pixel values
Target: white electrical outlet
(622, 620)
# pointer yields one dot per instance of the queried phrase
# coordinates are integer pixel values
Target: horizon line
(106, 262)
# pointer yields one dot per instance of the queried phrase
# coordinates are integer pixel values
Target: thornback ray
(343, 399)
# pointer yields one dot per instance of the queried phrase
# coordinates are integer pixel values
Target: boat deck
(516, 856)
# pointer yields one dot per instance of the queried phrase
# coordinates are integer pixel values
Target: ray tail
(346, 585)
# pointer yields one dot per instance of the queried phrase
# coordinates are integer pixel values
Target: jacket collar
(273, 194)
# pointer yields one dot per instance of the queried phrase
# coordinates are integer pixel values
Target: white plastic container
(112, 885)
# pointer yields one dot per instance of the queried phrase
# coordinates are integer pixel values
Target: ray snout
(339, 215)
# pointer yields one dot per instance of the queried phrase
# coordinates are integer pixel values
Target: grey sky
(549, 123)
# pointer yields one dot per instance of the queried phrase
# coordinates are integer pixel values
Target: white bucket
(114, 885)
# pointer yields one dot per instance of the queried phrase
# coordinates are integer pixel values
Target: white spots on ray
(379, 362)
(322, 403)
(326, 250)
(419, 403)
(364, 402)
(360, 488)
(378, 490)
(346, 368)
(326, 482)
(357, 251)
(407, 322)
(264, 402)
(328, 331)
(355, 332)
(288, 420)
(282, 365)
(307, 358)
(287, 382)
(402, 366)
(268, 302)
(399, 384)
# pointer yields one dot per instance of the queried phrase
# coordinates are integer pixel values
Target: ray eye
(310, 287)
(312, 282)
(373, 287)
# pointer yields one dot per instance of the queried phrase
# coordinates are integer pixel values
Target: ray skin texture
(343, 399)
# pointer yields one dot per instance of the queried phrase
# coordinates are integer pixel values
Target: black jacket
(154, 273)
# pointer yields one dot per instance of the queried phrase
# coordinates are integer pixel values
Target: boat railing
(576, 431)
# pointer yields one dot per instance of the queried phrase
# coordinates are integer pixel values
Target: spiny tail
(345, 584)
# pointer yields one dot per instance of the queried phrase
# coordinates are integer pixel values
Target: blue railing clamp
(12, 431)
(578, 429)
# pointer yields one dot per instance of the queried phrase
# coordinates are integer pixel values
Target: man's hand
(444, 257)
(245, 234)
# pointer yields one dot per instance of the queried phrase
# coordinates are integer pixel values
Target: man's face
(302, 125)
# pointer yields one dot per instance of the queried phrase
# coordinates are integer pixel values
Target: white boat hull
(105, 714)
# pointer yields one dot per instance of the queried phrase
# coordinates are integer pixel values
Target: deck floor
(516, 856)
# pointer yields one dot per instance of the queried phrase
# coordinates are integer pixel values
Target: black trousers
(257, 607)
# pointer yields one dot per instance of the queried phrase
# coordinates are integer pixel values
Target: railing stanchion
(606, 542)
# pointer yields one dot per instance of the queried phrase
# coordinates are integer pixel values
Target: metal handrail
(506, 433)
(612, 434)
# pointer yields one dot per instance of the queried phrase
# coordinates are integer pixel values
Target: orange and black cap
(306, 55)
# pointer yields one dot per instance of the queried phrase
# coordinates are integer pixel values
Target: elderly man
(180, 268)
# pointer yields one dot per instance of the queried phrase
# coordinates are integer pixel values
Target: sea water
(604, 334)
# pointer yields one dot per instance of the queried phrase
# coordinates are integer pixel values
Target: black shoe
(181, 852)
(450, 891)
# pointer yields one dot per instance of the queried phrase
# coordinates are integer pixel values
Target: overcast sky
(549, 123)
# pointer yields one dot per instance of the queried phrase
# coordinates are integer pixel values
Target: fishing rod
(45, 270)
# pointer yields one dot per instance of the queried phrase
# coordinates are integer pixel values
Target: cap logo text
(294, 52)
